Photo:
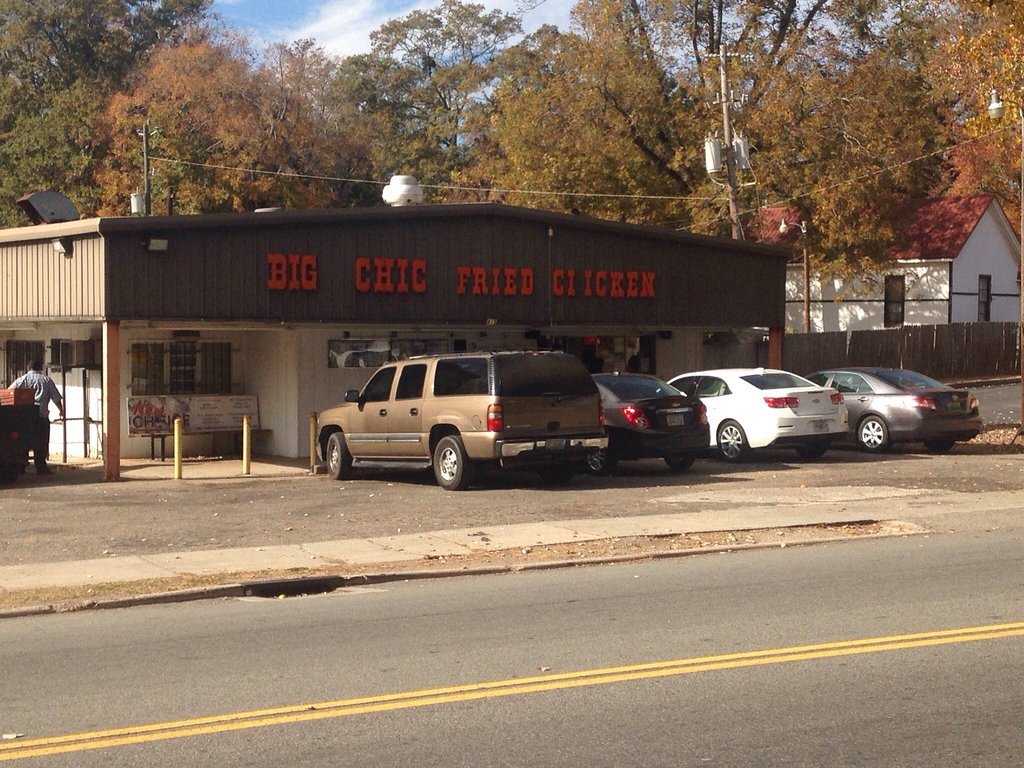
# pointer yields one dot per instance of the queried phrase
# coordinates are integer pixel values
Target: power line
(602, 195)
(446, 187)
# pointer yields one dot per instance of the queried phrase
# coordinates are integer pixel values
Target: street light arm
(783, 229)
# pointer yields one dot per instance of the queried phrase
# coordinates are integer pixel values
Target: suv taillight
(703, 417)
(495, 419)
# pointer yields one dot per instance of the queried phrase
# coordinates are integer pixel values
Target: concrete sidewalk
(387, 550)
(283, 521)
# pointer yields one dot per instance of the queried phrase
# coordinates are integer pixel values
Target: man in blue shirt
(45, 393)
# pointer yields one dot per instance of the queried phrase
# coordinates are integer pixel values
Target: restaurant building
(275, 314)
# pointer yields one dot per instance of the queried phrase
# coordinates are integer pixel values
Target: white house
(959, 262)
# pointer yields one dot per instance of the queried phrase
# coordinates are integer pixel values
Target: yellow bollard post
(177, 448)
(246, 445)
(312, 442)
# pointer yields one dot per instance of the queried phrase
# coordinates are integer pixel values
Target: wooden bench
(236, 432)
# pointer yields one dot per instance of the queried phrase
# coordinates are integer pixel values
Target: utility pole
(147, 189)
(730, 155)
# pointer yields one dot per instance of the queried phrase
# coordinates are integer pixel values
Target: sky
(343, 27)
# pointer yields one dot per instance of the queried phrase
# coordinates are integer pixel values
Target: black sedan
(646, 417)
(893, 405)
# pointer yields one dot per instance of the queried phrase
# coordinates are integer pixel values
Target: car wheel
(339, 460)
(602, 463)
(732, 441)
(680, 462)
(453, 469)
(873, 434)
(812, 451)
(939, 445)
(559, 474)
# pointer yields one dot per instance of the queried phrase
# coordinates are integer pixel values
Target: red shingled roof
(766, 225)
(938, 228)
(934, 229)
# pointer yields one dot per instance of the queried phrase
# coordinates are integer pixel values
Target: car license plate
(555, 444)
(820, 425)
(955, 405)
(675, 419)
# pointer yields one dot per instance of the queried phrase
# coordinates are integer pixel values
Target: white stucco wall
(936, 291)
(991, 250)
(80, 389)
(287, 369)
(859, 304)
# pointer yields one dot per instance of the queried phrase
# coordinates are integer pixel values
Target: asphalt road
(1000, 403)
(639, 664)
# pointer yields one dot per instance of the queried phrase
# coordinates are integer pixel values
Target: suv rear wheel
(602, 462)
(453, 469)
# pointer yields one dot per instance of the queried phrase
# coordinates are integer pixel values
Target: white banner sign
(155, 414)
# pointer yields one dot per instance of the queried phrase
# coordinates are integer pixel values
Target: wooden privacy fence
(949, 352)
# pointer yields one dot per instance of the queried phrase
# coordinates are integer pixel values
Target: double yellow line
(460, 693)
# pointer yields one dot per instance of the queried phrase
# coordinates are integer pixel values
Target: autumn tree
(851, 129)
(59, 62)
(596, 119)
(234, 130)
(1009, 11)
(835, 106)
(983, 51)
(422, 79)
(633, 91)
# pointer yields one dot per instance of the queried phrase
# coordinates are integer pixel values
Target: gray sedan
(892, 405)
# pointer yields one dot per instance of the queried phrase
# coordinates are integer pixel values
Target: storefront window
(373, 353)
(181, 368)
(604, 354)
(18, 355)
(148, 369)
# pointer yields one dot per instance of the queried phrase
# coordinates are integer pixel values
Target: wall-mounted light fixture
(65, 246)
(155, 243)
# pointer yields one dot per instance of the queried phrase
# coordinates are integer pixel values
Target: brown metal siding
(37, 283)
(221, 273)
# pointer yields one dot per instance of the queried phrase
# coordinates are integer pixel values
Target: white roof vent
(403, 190)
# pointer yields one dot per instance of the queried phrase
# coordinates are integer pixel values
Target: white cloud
(343, 27)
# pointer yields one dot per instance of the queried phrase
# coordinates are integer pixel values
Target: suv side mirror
(352, 396)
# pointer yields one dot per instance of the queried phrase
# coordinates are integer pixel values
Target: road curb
(320, 583)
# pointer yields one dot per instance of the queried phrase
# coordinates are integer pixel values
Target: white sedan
(761, 407)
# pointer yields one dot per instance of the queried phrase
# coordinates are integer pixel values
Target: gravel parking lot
(75, 515)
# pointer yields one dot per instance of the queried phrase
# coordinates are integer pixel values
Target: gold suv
(458, 412)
